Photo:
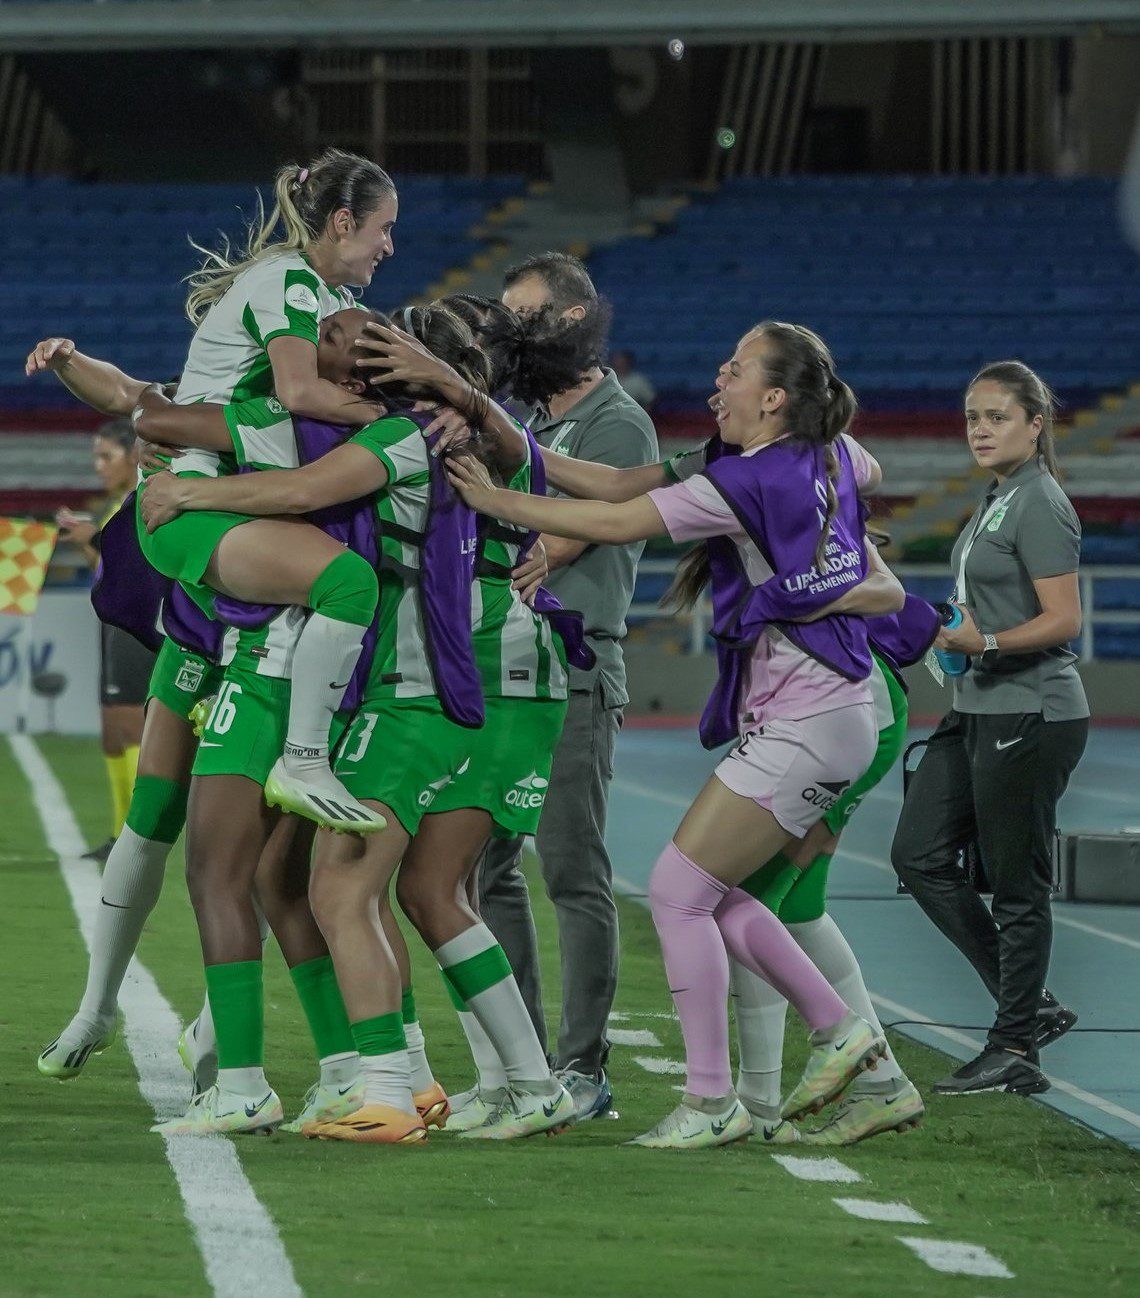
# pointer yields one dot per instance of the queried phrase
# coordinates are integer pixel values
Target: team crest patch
(190, 675)
(997, 517)
(274, 406)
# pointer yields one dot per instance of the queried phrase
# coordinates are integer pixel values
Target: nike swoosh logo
(334, 686)
(550, 1109)
(113, 904)
(205, 743)
(252, 1110)
(1007, 743)
(344, 1090)
(719, 1128)
(839, 1045)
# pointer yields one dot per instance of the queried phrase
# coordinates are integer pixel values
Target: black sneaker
(99, 853)
(995, 1069)
(1052, 1022)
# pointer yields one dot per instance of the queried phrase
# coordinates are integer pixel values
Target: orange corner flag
(25, 552)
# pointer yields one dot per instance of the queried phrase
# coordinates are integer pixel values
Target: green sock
(347, 590)
(381, 1035)
(238, 1007)
(479, 972)
(158, 808)
(320, 998)
(456, 1000)
(807, 898)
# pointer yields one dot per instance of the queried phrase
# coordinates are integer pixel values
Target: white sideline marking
(974, 1043)
(869, 1210)
(954, 1258)
(240, 1246)
(1105, 933)
(818, 1169)
(668, 1067)
(633, 1037)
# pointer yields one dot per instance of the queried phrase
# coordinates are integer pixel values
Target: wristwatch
(991, 645)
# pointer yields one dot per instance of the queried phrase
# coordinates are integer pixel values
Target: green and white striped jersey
(228, 362)
(517, 652)
(263, 438)
(269, 650)
(262, 433)
(401, 668)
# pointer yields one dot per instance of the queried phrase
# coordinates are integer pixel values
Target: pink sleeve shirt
(783, 681)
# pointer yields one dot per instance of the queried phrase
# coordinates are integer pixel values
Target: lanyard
(997, 509)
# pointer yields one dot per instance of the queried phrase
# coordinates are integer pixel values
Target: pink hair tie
(303, 176)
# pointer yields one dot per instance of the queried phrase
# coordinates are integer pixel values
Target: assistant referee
(124, 665)
(1001, 757)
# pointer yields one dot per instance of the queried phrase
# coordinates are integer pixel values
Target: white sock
(340, 1070)
(323, 661)
(243, 1081)
(760, 1012)
(501, 1012)
(422, 1076)
(492, 1075)
(132, 884)
(823, 943)
(388, 1080)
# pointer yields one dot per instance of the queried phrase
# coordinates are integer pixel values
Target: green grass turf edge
(583, 1213)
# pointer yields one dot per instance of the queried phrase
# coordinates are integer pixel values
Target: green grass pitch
(90, 1205)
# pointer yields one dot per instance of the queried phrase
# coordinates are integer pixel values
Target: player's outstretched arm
(96, 383)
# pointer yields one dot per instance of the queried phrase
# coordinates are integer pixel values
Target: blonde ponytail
(303, 200)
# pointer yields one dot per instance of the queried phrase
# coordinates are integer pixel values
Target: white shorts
(798, 770)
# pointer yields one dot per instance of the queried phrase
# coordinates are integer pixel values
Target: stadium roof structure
(42, 25)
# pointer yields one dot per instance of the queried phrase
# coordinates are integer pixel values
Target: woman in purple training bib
(781, 501)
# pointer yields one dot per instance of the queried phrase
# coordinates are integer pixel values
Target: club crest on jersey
(274, 406)
(190, 675)
(997, 517)
(528, 793)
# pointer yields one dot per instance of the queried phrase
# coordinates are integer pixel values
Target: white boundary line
(242, 1251)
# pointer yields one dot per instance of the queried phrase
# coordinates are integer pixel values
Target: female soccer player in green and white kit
(402, 713)
(133, 876)
(258, 323)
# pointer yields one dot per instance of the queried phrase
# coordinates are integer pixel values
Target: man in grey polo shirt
(595, 420)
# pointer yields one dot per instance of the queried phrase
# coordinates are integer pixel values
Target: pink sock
(755, 937)
(682, 898)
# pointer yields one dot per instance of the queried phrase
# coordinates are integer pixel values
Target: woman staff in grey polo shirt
(1002, 756)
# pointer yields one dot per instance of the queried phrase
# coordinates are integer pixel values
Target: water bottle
(951, 662)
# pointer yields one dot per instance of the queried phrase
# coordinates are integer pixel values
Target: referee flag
(25, 552)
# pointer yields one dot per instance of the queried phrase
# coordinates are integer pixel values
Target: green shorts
(182, 549)
(245, 731)
(180, 678)
(510, 764)
(403, 753)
